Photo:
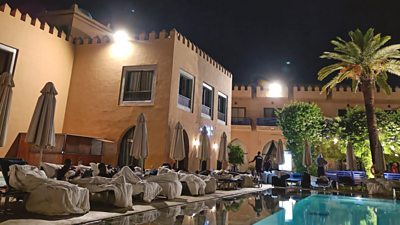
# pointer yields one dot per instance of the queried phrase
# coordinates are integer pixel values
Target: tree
(354, 129)
(300, 121)
(235, 155)
(366, 62)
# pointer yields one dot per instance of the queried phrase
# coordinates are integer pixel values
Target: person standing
(259, 161)
(268, 164)
(321, 163)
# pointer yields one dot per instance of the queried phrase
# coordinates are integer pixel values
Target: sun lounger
(392, 176)
(170, 184)
(48, 196)
(295, 178)
(7, 191)
(147, 189)
(115, 191)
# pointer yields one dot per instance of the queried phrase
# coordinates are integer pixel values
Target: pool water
(272, 207)
(336, 210)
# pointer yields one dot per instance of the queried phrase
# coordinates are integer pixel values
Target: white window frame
(126, 69)
(226, 108)
(189, 76)
(14, 52)
(211, 88)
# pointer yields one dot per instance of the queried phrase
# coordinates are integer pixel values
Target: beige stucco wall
(42, 57)
(255, 137)
(187, 58)
(93, 104)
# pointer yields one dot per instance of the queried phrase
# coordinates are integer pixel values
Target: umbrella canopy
(41, 129)
(223, 149)
(140, 143)
(280, 158)
(6, 85)
(204, 148)
(306, 155)
(380, 164)
(350, 157)
(177, 151)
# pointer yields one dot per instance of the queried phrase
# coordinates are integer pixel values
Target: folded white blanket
(47, 196)
(121, 189)
(150, 190)
(195, 184)
(170, 184)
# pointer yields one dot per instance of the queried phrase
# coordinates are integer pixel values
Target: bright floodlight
(121, 36)
(275, 90)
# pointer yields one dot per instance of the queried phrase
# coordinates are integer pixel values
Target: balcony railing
(206, 110)
(222, 116)
(184, 101)
(241, 121)
(266, 121)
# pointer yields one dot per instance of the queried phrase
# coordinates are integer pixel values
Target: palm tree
(366, 61)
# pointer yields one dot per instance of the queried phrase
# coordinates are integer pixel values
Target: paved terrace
(19, 216)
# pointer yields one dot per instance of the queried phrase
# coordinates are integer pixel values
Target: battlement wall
(242, 91)
(308, 93)
(25, 18)
(153, 36)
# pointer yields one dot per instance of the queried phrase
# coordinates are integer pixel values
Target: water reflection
(270, 207)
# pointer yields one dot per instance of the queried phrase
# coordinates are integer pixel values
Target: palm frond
(336, 80)
(393, 67)
(354, 84)
(381, 81)
(376, 42)
(391, 51)
(324, 72)
(339, 57)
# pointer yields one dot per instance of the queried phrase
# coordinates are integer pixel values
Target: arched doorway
(124, 159)
(184, 164)
(270, 149)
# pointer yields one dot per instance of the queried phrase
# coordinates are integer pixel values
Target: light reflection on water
(270, 207)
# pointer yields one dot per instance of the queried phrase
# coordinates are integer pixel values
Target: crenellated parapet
(345, 93)
(308, 93)
(183, 40)
(154, 36)
(242, 91)
(5, 9)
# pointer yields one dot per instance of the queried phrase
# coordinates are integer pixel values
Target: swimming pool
(336, 210)
(272, 207)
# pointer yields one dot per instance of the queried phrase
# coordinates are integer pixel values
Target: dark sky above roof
(255, 40)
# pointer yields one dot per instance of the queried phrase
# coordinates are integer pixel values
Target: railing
(222, 116)
(206, 110)
(137, 96)
(241, 121)
(266, 121)
(184, 101)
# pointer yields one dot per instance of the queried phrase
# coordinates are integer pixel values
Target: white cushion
(51, 169)
(95, 168)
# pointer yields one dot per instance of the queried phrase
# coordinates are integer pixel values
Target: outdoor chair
(350, 178)
(9, 192)
(332, 175)
(391, 176)
(295, 178)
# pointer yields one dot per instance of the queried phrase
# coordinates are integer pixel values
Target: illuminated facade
(254, 121)
(104, 82)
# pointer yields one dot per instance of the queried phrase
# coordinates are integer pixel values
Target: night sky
(255, 40)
